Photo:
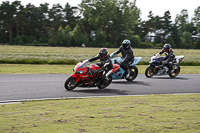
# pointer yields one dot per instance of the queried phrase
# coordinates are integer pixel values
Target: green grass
(129, 114)
(35, 69)
(61, 69)
(71, 55)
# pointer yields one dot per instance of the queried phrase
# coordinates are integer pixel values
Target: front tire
(133, 74)
(70, 83)
(149, 72)
(175, 72)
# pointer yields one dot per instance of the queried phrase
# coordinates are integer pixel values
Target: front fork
(155, 69)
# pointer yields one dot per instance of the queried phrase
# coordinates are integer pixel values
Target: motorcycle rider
(127, 54)
(169, 56)
(106, 65)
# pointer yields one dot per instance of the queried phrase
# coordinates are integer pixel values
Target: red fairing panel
(77, 78)
(115, 67)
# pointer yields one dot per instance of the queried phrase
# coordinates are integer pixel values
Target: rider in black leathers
(106, 65)
(127, 54)
(169, 56)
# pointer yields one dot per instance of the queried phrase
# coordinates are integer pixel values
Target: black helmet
(126, 44)
(103, 53)
(166, 47)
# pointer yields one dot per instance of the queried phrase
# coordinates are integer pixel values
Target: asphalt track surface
(23, 87)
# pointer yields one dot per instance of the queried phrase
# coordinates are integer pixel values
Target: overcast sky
(158, 7)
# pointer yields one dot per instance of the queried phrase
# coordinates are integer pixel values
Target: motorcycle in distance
(84, 76)
(120, 72)
(156, 67)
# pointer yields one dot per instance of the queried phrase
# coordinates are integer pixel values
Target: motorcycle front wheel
(133, 74)
(70, 83)
(175, 72)
(149, 72)
(105, 83)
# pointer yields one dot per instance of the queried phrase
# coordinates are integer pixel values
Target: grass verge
(71, 55)
(60, 69)
(152, 113)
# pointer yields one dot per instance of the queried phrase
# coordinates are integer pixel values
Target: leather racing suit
(169, 57)
(106, 65)
(128, 56)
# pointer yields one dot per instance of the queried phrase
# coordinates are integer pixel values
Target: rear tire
(133, 74)
(70, 83)
(175, 73)
(149, 72)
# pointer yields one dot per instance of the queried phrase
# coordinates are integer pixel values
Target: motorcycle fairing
(115, 67)
(179, 58)
(120, 59)
(81, 71)
(76, 76)
(80, 68)
(136, 61)
(158, 61)
(120, 72)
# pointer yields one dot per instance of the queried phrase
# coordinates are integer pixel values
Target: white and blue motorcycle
(120, 73)
(157, 68)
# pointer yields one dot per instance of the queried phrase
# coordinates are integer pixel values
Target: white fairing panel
(179, 58)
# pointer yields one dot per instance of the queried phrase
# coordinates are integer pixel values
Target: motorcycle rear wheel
(175, 72)
(133, 74)
(105, 83)
(70, 83)
(149, 72)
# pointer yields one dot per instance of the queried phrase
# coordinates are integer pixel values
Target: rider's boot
(128, 73)
(99, 80)
(171, 70)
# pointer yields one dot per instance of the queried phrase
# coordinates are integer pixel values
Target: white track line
(42, 99)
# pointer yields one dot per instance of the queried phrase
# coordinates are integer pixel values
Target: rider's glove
(112, 55)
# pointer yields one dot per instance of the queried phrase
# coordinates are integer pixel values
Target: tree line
(96, 23)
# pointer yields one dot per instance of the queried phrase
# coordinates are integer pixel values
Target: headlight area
(80, 72)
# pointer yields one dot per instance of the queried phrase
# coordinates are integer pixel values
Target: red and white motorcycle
(84, 76)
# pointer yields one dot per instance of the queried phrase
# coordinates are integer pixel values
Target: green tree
(150, 24)
(175, 36)
(20, 20)
(78, 36)
(43, 22)
(186, 40)
(159, 31)
(56, 16)
(67, 36)
(109, 20)
(170, 41)
(196, 21)
(166, 23)
(62, 37)
(182, 21)
(70, 16)
(32, 20)
(135, 41)
(7, 13)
